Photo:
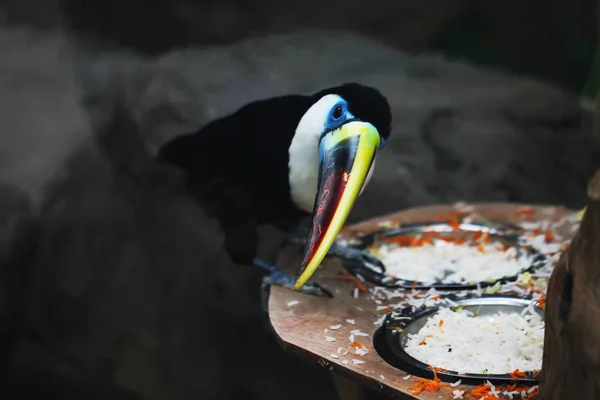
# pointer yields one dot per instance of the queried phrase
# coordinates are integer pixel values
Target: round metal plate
(390, 340)
(504, 233)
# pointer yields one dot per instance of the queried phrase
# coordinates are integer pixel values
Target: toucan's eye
(337, 112)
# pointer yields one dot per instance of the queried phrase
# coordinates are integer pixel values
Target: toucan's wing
(206, 153)
(256, 135)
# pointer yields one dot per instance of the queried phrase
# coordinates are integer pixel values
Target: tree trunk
(571, 365)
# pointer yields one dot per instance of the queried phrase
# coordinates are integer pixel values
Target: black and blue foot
(281, 278)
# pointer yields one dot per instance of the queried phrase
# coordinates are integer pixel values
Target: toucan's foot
(367, 260)
(281, 278)
(364, 260)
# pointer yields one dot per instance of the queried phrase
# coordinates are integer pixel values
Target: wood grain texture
(571, 365)
(301, 327)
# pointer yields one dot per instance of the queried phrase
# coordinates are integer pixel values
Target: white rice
(491, 344)
(458, 394)
(448, 262)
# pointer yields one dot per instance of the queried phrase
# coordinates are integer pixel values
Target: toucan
(279, 160)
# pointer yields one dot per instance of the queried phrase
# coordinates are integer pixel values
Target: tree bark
(571, 364)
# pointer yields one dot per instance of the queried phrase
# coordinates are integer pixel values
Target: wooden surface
(572, 339)
(300, 327)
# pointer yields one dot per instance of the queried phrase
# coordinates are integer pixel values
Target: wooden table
(299, 320)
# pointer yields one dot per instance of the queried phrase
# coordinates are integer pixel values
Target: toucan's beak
(346, 156)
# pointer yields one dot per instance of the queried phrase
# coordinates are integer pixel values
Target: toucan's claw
(281, 278)
(365, 259)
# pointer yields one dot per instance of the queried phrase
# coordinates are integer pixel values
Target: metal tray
(390, 339)
(504, 233)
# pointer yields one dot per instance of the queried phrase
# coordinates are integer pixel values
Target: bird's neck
(303, 170)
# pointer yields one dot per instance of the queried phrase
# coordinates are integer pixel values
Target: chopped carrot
(430, 385)
(533, 394)
(357, 282)
(480, 391)
(403, 240)
(441, 322)
(356, 345)
(549, 237)
(525, 211)
(542, 301)
(423, 241)
(516, 374)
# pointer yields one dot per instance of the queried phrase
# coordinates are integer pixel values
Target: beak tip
(300, 281)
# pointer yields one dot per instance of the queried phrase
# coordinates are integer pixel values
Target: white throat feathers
(303, 167)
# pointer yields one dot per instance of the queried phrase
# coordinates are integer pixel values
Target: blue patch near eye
(338, 114)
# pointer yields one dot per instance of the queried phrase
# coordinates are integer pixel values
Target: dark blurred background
(111, 282)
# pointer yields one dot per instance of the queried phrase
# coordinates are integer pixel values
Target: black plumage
(237, 166)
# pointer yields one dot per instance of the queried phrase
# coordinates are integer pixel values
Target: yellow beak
(346, 154)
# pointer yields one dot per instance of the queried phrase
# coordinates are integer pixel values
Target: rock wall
(546, 38)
